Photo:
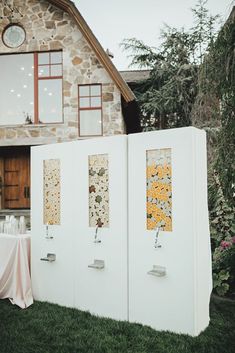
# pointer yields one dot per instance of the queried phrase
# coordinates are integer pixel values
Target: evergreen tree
(167, 97)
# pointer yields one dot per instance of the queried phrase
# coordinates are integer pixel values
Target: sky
(114, 20)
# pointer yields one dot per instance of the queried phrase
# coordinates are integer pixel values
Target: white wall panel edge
(127, 224)
(203, 273)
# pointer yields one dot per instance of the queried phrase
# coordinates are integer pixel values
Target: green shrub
(223, 242)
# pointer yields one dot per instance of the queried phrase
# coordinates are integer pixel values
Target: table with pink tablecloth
(15, 281)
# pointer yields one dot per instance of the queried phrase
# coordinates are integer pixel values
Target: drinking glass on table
(1, 226)
(15, 226)
(22, 226)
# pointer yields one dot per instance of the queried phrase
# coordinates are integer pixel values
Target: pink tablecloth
(15, 281)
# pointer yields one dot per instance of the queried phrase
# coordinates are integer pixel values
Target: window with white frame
(90, 110)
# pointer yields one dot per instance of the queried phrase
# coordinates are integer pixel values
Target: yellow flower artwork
(51, 191)
(159, 189)
(99, 190)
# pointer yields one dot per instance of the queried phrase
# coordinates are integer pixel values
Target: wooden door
(16, 183)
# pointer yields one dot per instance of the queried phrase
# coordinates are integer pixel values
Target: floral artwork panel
(51, 179)
(159, 189)
(99, 190)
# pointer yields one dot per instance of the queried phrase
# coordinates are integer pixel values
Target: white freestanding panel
(178, 301)
(102, 291)
(111, 278)
(68, 280)
(52, 282)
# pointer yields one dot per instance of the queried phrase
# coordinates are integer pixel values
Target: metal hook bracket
(98, 265)
(49, 258)
(158, 271)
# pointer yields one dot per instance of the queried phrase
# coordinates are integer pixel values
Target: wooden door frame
(10, 151)
(2, 180)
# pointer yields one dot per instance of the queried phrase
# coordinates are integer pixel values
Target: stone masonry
(49, 28)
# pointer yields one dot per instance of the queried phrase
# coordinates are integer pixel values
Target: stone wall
(49, 28)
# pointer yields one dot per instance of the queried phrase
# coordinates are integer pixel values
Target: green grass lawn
(48, 328)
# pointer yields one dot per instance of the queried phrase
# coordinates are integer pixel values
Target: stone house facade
(57, 84)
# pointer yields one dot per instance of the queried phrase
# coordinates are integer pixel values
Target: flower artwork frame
(159, 189)
(51, 192)
(98, 190)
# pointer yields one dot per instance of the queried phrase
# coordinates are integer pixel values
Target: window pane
(84, 102)
(43, 58)
(95, 101)
(95, 90)
(43, 71)
(50, 101)
(16, 88)
(90, 123)
(56, 57)
(84, 91)
(56, 70)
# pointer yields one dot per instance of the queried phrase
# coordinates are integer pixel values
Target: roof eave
(71, 9)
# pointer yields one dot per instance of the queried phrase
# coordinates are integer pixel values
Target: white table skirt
(15, 281)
